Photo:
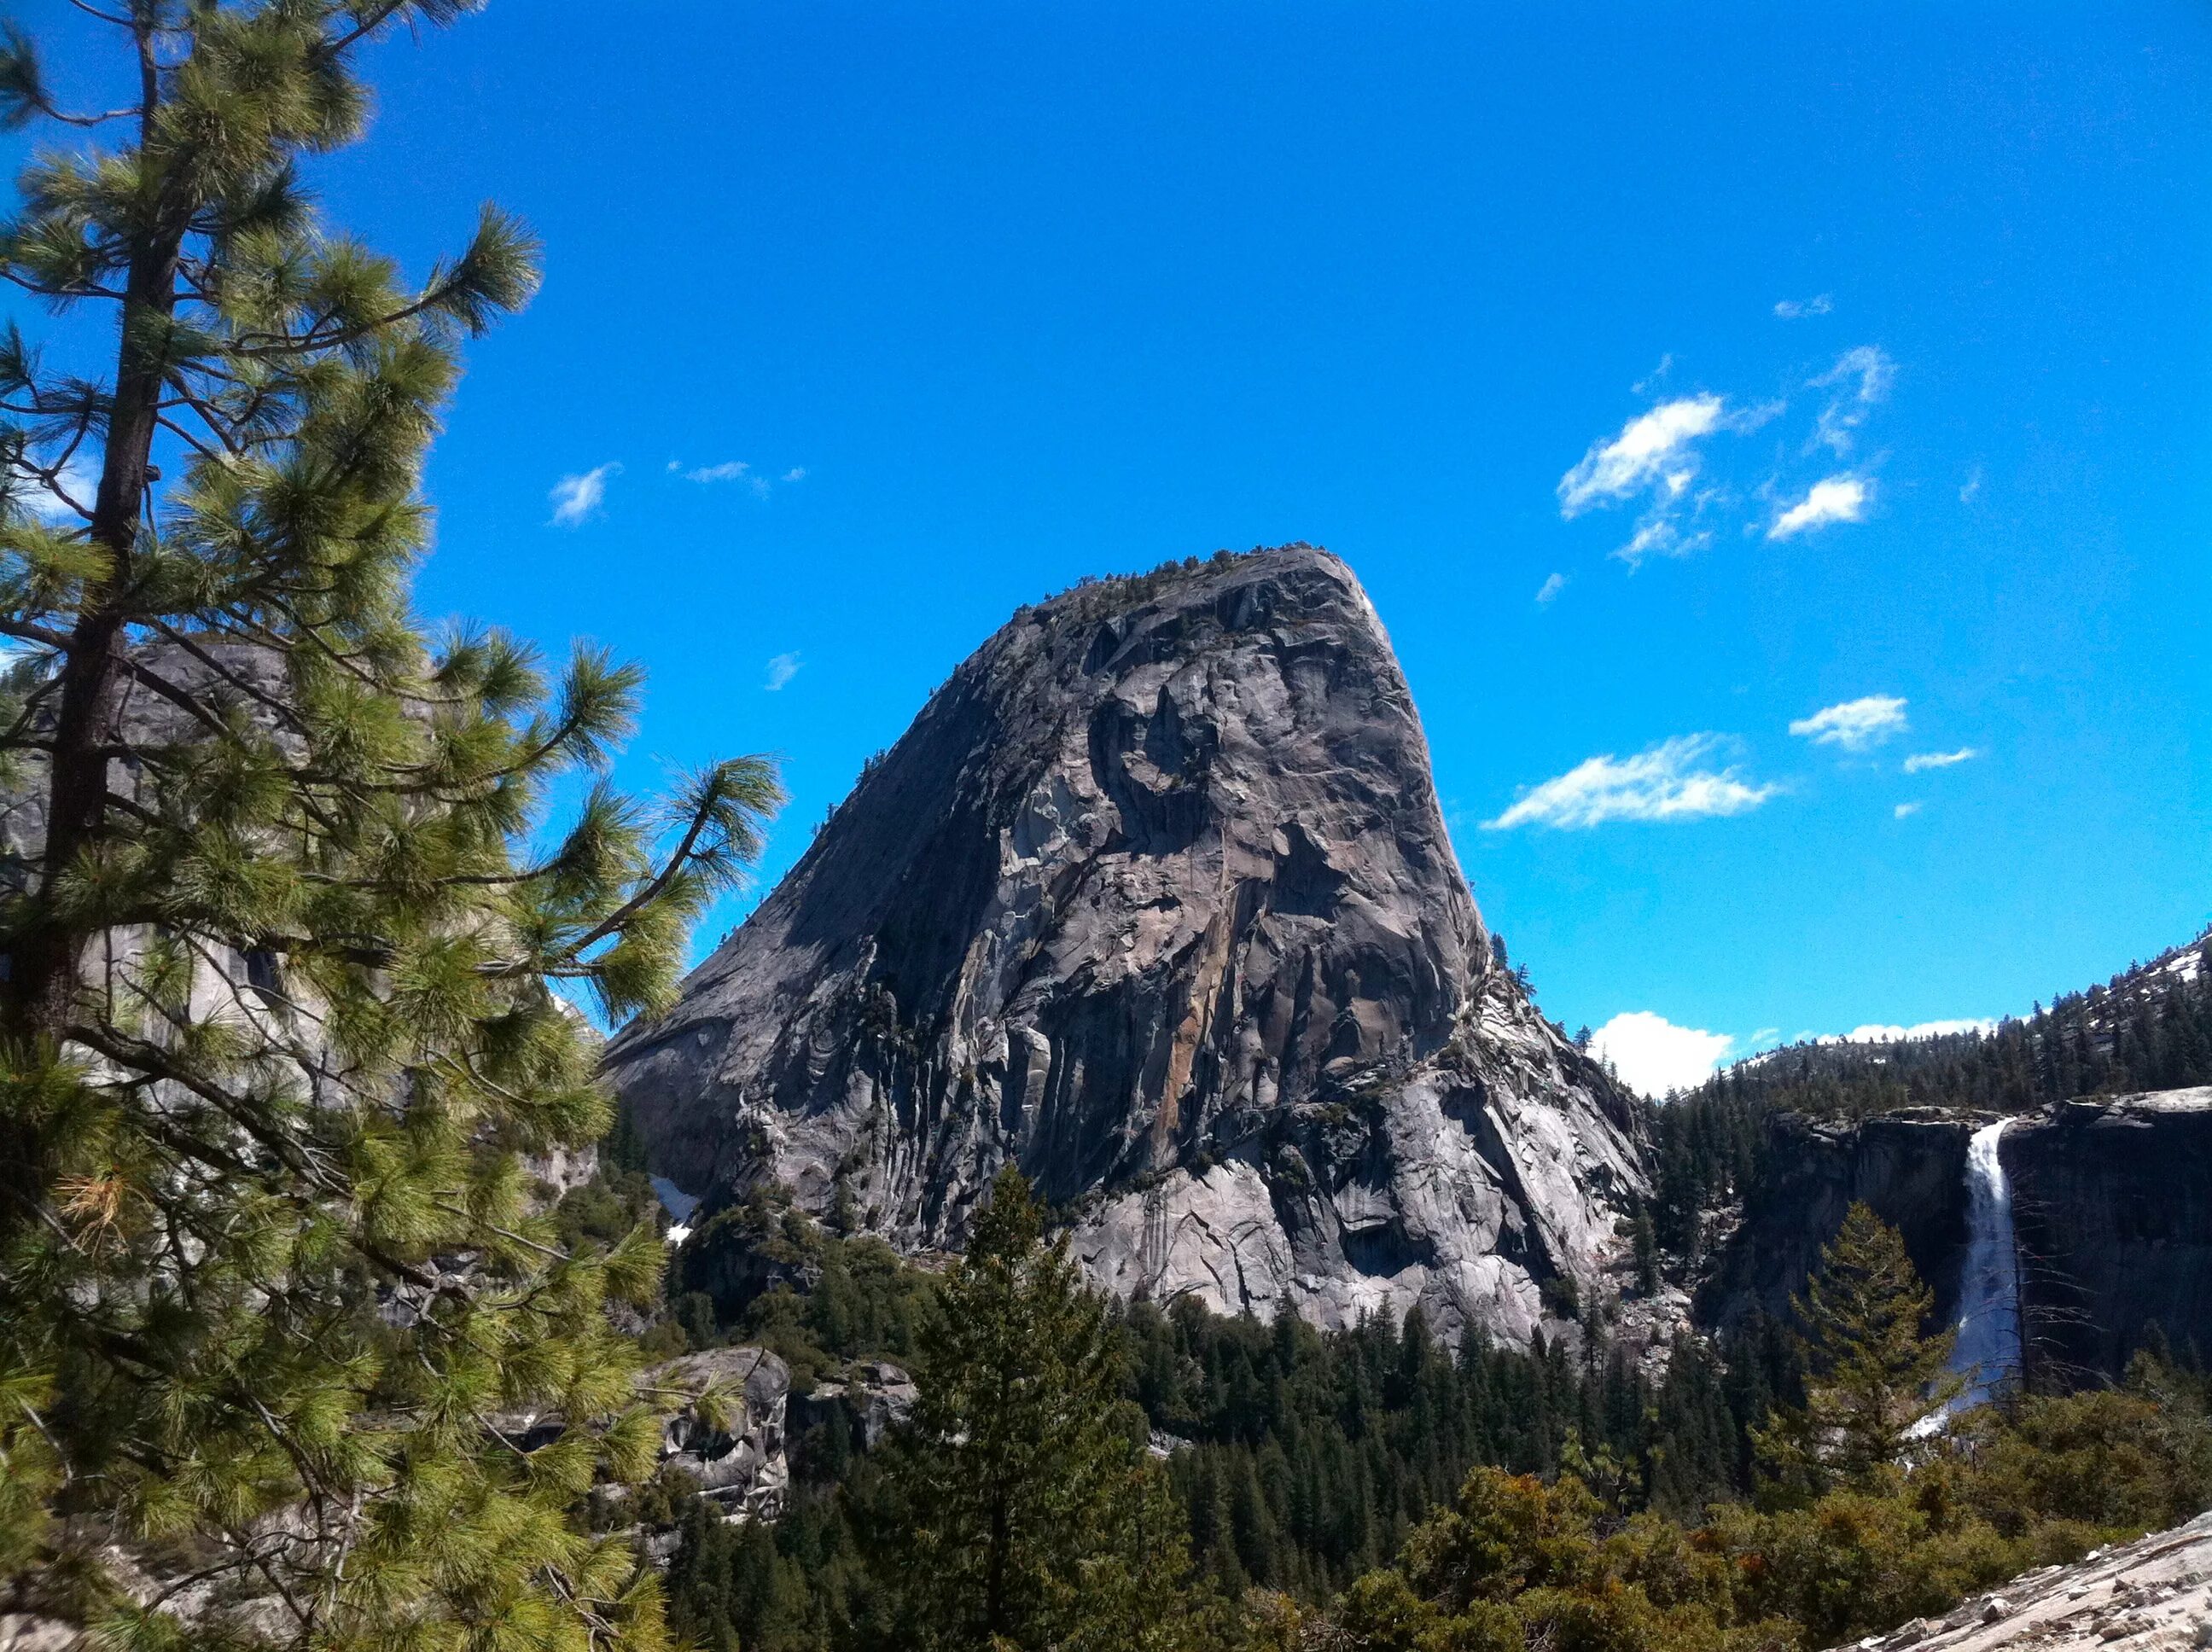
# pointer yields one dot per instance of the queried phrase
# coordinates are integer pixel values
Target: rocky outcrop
(1155, 900)
(737, 1457)
(1909, 1167)
(2154, 1595)
(872, 1398)
(2113, 1207)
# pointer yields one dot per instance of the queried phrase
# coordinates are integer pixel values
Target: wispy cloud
(1971, 489)
(1650, 446)
(730, 470)
(780, 670)
(1905, 811)
(1675, 780)
(1651, 381)
(735, 470)
(1860, 380)
(1920, 760)
(1793, 309)
(577, 499)
(1661, 534)
(1855, 724)
(1836, 499)
(1653, 1056)
(1548, 592)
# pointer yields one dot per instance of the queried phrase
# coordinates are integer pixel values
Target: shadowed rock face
(1909, 1168)
(1155, 899)
(2112, 1205)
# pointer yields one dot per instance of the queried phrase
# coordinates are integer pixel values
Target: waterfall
(1988, 1351)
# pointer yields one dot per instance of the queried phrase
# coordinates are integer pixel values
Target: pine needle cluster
(290, 1351)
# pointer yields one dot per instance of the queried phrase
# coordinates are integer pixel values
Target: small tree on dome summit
(281, 915)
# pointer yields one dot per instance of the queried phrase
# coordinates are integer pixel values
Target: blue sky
(1723, 406)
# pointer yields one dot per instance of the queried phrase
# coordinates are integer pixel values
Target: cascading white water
(1988, 1351)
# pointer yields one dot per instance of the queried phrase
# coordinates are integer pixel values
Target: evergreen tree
(1028, 1517)
(276, 1029)
(1872, 1374)
(1645, 1240)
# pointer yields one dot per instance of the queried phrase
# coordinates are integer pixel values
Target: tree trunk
(43, 975)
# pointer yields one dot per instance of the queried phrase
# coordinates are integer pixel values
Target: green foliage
(1866, 1527)
(277, 1030)
(1873, 1373)
(1517, 1562)
(1314, 1454)
(1028, 1517)
(1529, 1500)
(762, 1273)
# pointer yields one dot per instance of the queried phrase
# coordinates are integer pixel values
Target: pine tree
(1031, 1519)
(1646, 1241)
(275, 1023)
(1872, 1373)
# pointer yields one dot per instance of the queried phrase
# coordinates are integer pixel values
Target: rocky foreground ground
(2152, 1595)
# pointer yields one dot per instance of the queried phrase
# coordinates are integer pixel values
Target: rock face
(1155, 900)
(740, 1460)
(1909, 1167)
(2113, 1206)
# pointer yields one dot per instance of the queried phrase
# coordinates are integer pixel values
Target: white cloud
(1792, 309)
(1653, 1056)
(1661, 783)
(728, 470)
(78, 479)
(576, 499)
(1660, 535)
(1971, 489)
(1904, 811)
(1872, 1034)
(1836, 499)
(796, 473)
(1861, 379)
(1649, 446)
(1920, 760)
(1547, 592)
(780, 670)
(1855, 724)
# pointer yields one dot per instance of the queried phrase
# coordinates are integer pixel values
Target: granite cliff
(2112, 1202)
(1155, 900)
(1908, 1167)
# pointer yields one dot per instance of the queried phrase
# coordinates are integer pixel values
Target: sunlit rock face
(1155, 900)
